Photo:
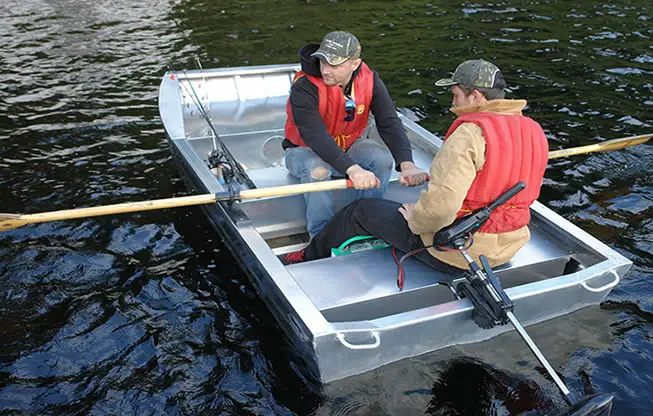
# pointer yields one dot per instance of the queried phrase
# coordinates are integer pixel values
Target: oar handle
(290, 189)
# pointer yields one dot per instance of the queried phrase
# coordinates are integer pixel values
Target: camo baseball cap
(337, 47)
(475, 73)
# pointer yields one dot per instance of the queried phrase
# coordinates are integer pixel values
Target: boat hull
(344, 315)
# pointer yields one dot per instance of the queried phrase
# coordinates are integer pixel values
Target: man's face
(339, 74)
(460, 99)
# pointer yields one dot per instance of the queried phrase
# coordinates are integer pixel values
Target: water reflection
(493, 391)
(479, 378)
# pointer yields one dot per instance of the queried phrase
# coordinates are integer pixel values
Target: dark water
(148, 313)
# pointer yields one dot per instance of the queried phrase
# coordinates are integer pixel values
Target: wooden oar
(10, 221)
(614, 144)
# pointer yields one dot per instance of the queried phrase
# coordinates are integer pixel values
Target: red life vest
(332, 109)
(516, 150)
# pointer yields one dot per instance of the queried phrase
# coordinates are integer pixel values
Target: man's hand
(406, 210)
(411, 175)
(361, 178)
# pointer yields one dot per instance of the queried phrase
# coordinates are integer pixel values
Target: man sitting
(328, 111)
(489, 148)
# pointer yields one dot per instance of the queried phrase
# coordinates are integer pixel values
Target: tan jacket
(452, 172)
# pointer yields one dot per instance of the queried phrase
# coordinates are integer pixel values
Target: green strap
(354, 239)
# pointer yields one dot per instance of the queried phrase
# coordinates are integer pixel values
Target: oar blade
(623, 143)
(606, 146)
(11, 221)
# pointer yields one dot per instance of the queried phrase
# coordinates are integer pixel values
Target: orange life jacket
(516, 150)
(332, 109)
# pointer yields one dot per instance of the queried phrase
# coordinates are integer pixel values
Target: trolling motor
(492, 306)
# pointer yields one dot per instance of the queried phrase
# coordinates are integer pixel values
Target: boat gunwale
(236, 71)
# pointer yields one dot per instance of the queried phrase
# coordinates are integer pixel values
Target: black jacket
(307, 118)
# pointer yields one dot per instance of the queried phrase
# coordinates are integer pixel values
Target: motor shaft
(540, 357)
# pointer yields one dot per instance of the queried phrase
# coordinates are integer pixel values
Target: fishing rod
(218, 158)
(215, 159)
(215, 152)
(199, 106)
(214, 155)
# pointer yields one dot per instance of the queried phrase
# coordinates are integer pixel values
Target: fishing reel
(213, 159)
(219, 167)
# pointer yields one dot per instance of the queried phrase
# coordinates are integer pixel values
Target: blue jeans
(306, 166)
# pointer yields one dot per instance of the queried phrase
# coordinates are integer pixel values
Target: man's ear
(479, 98)
(355, 63)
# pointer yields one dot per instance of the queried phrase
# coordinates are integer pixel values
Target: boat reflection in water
(468, 386)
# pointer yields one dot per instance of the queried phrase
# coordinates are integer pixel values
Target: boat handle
(604, 287)
(375, 335)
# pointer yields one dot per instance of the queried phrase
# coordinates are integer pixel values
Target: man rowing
(327, 113)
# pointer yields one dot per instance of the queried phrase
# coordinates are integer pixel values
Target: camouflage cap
(337, 47)
(475, 73)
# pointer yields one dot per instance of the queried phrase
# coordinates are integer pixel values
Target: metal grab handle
(604, 287)
(375, 335)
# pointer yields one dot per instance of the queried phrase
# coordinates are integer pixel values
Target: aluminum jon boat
(345, 315)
